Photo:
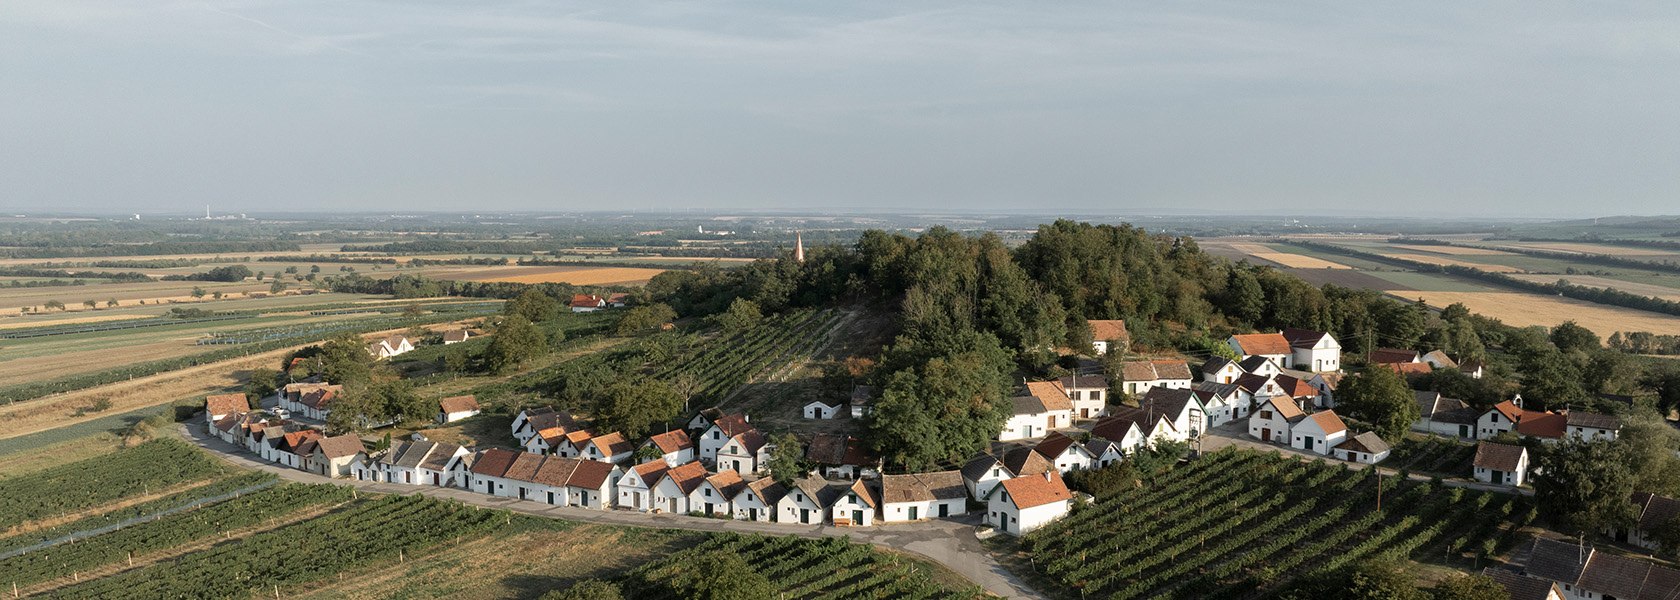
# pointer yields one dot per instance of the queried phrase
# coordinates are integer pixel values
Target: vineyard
(1241, 524)
(1436, 456)
(142, 541)
(150, 467)
(93, 524)
(800, 568)
(724, 365)
(360, 534)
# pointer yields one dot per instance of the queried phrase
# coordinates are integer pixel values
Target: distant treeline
(231, 273)
(1610, 296)
(420, 286)
(60, 273)
(492, 261)
(758, 249)
(1608, 260)
(148, 249)
(1666, 245)
(332, 258)
(47, 283)
(143, 263)
(1644, 342)
(456, 247)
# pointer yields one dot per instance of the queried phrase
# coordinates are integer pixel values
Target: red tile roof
(612, 444)
(651, 471)
(1328, 421)
(1391, 355)
(1302, 338)
(1262, 343)
(340, 446)
(1105, 330)
(225, 404)
(494, 462)
(672, 441)
(1408, 368)
(1050, 394)
(455, 404)
(687, 476)
(1542, 424)
(1036, 490)
(727, 482)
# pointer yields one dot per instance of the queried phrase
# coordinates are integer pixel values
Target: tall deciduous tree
(1471, 587)
(345, 360)
(515, 341)
(743, 314)
(1584, 486)
(533, 305)
(635, 406)
(1570, 336)
(1380, 397)
(787, 459)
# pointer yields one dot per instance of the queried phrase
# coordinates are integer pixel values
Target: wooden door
(1265, 435)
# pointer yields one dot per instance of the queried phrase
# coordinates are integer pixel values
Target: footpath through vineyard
(949, 543)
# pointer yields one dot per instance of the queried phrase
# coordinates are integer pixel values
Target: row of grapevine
(150, 467)
(723, 365)
(802, 568)
(211, 522)
(198, 494)
(362, 533)
(1238, 523)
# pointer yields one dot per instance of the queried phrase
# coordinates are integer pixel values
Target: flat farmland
(12, 300)
(1520, 309)
(1287, 259)
(575, 275)
(1438, 259)
(1589, 248)
(1433, 282)
(1346, 278)
(1643, 289)
(1451, 250)
(128, 310)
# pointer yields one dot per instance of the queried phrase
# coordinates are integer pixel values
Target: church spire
(798, 247)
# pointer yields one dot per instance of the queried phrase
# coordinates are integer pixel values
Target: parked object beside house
(1500, 464)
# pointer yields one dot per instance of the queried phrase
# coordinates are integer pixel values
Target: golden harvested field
(1455, 250)
(1592, 248)
(1299, 261)
(1643, 289)
(1440, 260)
(571, 275)
(1520, 309)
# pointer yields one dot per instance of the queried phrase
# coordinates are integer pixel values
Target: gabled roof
(1108, 329)
(494, 462)
(687, 476)
(1368, 442)
(1252, 383)
(1027, 405)
(578, 438)
(455, 335)
(1602, 572)
(1407, 368)
(1286, 408)
(612, 444)
(590, 474)
(1327, 421)
(1037, 490)
(455, 404)
(1083, 382)
(1302, 338)
(1523, 587)
(1441, 409)
(1381, 356)
(1054, 445)
(922, 487)
(318, 398)
(1440, 358)
(672, 441)
(225, 404)
(1097, 446)
(1050, 394)
(750, 440)
(1216, 364)
(1543, 424)
(340, 446)
(1167, 401)
(407, 454)
(862, 395)
(1499, 457)
(651, 471)
(1295, 388)
(769, 492)
(864, 493)
(976, 467)
(1254, 363)
(524, 466)
(732, 424)
(727, 482)
(438, 459)
(550, 471)
(1223, 390)
(1261, 343)
(229, 421)
(1026, 461)
(1512, 412)
(1653, 510)
(836, 449)
(818, 490)
(1593, 420)
(1153, 370)
(586, 300)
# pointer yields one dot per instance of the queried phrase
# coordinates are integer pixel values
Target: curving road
(947, 542)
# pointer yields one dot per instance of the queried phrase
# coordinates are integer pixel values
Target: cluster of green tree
(457, 247)
(48, 283)
(1634, 243)
(38, 272)
(229, 274)
(1608, 296)
(147, 249)
(420, 286)
(332, 258)
(1645, 342)
(1386, 580)
(1583, 486)
(469, 260)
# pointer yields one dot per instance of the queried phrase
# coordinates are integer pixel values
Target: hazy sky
(1527, 108)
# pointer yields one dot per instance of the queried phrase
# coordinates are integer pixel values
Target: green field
(1239, 521)
(1428, 282)
(1351, 261)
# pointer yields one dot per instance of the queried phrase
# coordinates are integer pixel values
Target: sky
(1532, 109)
